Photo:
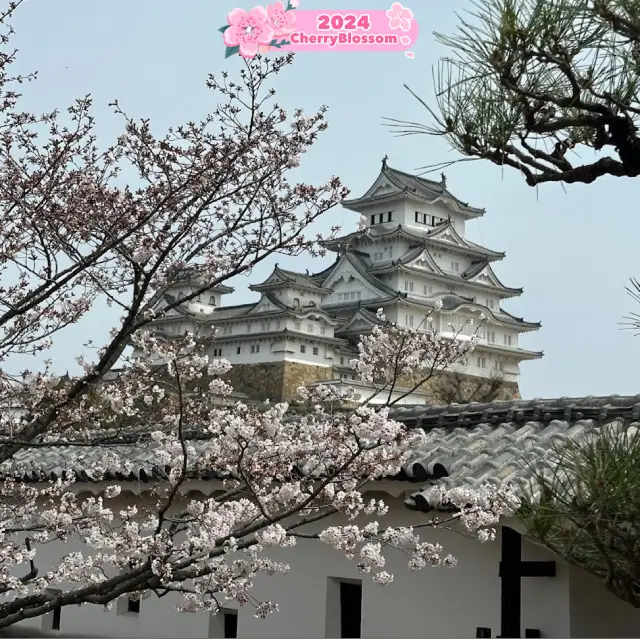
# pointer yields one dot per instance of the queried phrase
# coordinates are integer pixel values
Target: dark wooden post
(512, 570)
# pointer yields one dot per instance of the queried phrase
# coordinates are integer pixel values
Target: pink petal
(407, 14)
(410, 54)
(397, 8)
(236, 16)
(394, 23)
(405, 25)
(266, 34)
(259, 14)
(248, 49)
(230, 36)
(390, 13)
(289, 20)
(278, 6)
(405, 40)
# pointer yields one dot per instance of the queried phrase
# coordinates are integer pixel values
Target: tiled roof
(468, 445)
(405, 183)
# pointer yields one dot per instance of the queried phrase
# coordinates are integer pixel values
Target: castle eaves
(406, 185)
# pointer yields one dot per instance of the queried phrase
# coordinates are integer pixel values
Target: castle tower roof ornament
(443, 180)
(384, 162)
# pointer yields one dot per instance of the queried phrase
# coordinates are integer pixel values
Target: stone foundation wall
(447, 388)
(259, 381)
(296, 375)
(275, 381)
(278, 381)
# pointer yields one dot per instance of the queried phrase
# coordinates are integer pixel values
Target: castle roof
(443, 235)
(466, 445)
(393, 184)
(280, 278)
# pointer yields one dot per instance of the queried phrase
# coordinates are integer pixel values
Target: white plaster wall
(435, 602)
(595, 612)
(545, 600)
(438, 209)
(267, 354)
(419, 604)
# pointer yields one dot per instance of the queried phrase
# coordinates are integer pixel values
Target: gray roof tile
(466, 445)
(501, 441)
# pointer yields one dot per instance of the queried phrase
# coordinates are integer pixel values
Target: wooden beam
(529, 569)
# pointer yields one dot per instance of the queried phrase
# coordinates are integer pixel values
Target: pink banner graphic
(277, 27)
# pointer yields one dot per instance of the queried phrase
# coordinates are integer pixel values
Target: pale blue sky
(572, 250)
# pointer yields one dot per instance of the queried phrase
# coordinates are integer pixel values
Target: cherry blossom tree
(212, 198)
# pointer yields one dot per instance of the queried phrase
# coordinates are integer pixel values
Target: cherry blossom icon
(282, 22)
(399, 17)
(248, 31)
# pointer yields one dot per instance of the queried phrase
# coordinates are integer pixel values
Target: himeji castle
(413, 254)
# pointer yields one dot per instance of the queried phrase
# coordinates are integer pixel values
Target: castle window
(339, 297)
(315, 350)
(342, 361)
(133, 606)
(297, 326)
(381, 218)
(389, 215)
(180, 295)
(296, 301)
(491, 336)
(358, 294)
(238, 350)
(253, 348)
(418, 217)
(455, 267)
(212, 301)
(373, 220)
(257, 348)
(323, 330)
(482, 362)
(303, 348)
(489, 303)
(507, 340)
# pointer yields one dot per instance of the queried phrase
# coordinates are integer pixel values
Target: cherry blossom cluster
(282, 474)
(392, 351)
(212, 200)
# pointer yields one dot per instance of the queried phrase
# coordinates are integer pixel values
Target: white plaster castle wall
(595, 612)
(438, 210)
(435, 602)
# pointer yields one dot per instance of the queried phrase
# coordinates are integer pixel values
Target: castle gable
(347, 278)
(360, 321)
(424, 262)
(265, 305)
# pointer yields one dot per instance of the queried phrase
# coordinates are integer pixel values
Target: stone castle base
(275, 381)
(279, 381)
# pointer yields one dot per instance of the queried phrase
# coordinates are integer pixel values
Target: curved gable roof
(404, 184)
